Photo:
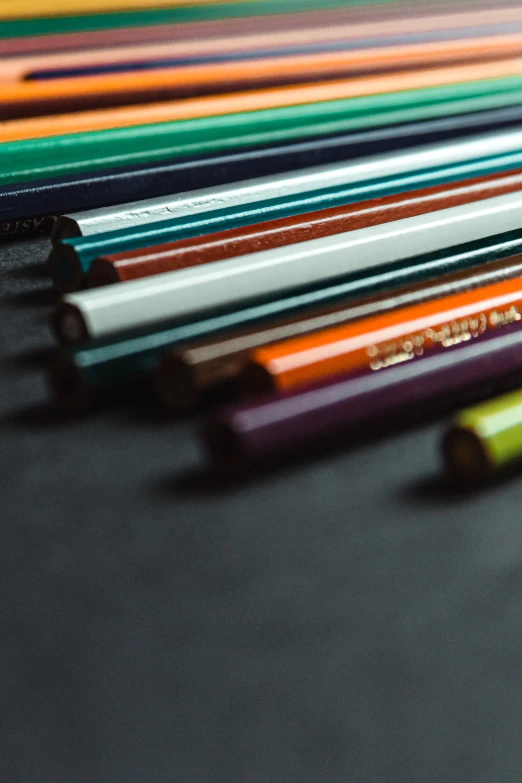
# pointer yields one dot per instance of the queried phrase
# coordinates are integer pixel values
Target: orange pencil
(433, 53)
(384, 340)
(233, 103)
(27, 99)
(18, 68)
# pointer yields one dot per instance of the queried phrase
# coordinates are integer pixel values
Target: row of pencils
(302, 217)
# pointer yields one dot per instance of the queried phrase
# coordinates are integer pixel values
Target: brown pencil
(134, 264)
(186, 376)
(381, 341)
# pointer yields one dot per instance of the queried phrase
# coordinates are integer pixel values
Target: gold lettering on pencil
(389, 361)
(459, 338)
(503, 318)
(445, 335)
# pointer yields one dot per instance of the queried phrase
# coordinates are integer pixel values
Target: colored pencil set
(307, 213)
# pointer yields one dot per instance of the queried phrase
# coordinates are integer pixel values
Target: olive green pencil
(485, 439)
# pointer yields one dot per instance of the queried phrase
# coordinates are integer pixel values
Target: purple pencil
(266, 427)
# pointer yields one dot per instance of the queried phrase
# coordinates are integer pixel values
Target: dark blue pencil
(23, 205)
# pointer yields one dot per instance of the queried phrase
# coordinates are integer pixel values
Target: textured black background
(345, 619)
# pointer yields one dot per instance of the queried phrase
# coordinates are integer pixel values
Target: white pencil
(126, 216)
(225, 285)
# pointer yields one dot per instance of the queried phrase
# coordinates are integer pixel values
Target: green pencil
(179, 15)
(486, 438)
(62, 155)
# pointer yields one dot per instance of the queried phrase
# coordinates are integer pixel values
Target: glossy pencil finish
(367, 21)
(34, 201)
(29, 201)
(30, 98)
(186, 376)
(71, 259)
(62, 155)
(301, 228)
(262, 429)
(485, 439)
(227, 284)
(478, 155)
(380, 342)
(81, 374)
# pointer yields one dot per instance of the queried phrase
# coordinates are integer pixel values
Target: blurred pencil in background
(278, 189)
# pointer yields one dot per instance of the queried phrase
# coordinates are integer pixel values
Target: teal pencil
(72, 258)
(79, 375)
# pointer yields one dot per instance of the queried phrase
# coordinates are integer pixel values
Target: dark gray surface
(347, 619)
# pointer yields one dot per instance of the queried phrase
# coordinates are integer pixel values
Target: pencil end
(102, 273)
(69, 324)
(253, 380)
(464, 456)
(176, 386)
(65, 228)
(65, 270)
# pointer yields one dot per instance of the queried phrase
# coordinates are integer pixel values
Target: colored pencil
(480, 154)
(370, 56)
(24, 99)
(198, 9)
(18, 9)
(29, 98)
(183, 15)
(81, 374)
(186, 375)
(136, 264)
(362, 22)
(261, 276)
(71, 258)
(206, 49)
(62, 155)
(485, 439)
(34, 200)
(260, 430)
(380, 342)
(336, 37)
